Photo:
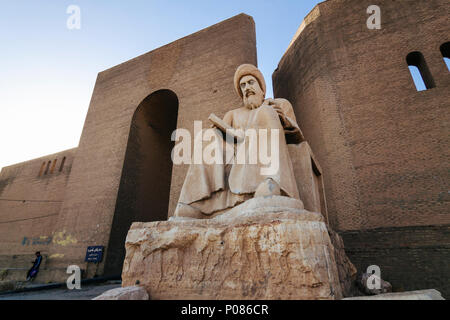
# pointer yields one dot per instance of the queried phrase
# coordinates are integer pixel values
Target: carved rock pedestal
(266, 248)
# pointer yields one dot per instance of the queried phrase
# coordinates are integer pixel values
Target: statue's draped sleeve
(291, 129)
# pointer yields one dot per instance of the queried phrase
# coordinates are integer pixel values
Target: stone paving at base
(87, 292)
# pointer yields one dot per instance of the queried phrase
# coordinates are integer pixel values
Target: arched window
(419, 71)
(445, 50)
(41, 171)
(53, 166)
(48, 166)
(62, 164)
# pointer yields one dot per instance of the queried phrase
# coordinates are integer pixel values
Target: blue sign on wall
(94, 254)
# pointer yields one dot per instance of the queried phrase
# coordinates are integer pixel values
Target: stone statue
(212, 189)
(242, 232)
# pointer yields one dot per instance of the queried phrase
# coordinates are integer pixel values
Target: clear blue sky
(48, 71)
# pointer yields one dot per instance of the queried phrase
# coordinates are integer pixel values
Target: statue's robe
(217, 187)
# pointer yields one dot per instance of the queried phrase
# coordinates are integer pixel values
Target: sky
(48, 71)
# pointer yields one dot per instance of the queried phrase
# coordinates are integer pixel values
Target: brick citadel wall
(410, 258)
(382, 144)
(31, 194)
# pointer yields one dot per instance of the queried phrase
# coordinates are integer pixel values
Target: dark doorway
(145, 183)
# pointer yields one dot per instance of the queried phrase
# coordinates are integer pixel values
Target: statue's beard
(253, 101)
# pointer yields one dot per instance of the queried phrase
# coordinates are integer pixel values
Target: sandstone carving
(240, 233)
(210, 189)
(346, 269)
(266, 248)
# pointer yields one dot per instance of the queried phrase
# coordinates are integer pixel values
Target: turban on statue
(248, 70)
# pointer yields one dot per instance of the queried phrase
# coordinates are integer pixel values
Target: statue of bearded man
(213, 189)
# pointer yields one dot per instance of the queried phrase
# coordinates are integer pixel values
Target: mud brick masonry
(383, 146)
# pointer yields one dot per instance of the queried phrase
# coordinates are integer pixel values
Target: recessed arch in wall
(147, 171)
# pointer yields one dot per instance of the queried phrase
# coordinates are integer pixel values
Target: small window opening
(62, 164)
(419, 71)
(48, 166)
(445, 50)
(53, 166)
(42, 169)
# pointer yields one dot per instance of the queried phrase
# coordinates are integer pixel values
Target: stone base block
(266, 248)
(431, 294)
(126, 293)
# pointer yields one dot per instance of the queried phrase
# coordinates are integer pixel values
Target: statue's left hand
(277, 108)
